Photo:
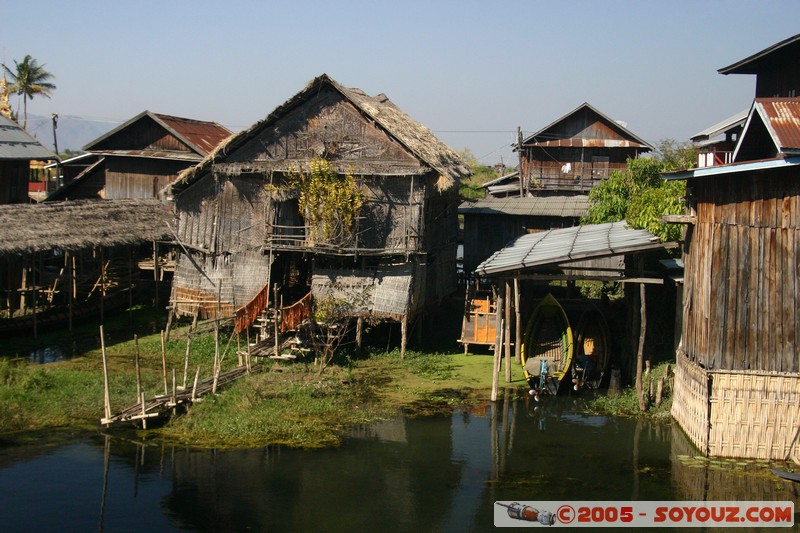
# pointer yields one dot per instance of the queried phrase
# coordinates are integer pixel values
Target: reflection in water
(431, 474)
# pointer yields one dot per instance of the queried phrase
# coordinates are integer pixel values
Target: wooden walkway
(166, 404)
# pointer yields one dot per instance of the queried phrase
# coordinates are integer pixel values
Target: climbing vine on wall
(328, 201)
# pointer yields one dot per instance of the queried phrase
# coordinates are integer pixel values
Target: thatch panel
(391, 214)
(200, 278)
(690, 404)
(82, 224)
(384, 291)
(753, 414)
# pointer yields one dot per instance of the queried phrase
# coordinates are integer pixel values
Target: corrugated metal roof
(569, 244)
(782, 118)
(154, 154)
(16, 143)
(746, 166)
(734, 121)
(205, 136)
(549, 206)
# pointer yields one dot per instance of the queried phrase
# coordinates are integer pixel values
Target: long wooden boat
(547, 348)
(592, 358)
(791, 476)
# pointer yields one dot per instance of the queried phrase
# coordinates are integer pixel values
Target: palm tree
(29, 80)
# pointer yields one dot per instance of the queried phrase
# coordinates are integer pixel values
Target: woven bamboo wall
(753, 415)
(736, 413)
(690, 403)
(386, 291)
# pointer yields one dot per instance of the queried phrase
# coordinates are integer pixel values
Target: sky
(471, 71)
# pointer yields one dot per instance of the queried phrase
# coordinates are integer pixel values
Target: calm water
(425, 474)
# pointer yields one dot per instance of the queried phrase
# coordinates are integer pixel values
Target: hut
(17, 150)
(715, 145)
(61, 259)
(524, 271)
(576, 152)
(138, 158)
(244, 227)
(737, 385)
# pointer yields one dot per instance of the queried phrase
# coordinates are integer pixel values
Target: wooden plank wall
(743, 273)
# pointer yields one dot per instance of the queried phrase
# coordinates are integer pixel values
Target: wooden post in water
(640, 349)
(144, 411)
(496, 365)
(106, 396)
(164, 362)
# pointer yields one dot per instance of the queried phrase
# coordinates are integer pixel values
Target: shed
(577, 151)
(17, 150)
(138, 158)
(60, 258)
(243, 232)
(737, 387)
(491, 223)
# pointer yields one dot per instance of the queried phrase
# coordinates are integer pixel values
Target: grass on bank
(285, 403)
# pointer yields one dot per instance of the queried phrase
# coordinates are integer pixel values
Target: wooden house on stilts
(246, 226)
(737, 384)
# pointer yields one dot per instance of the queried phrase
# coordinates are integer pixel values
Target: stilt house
(242, 229)
(737, 387)
(576, 152)
(139, 158)
(737, 384)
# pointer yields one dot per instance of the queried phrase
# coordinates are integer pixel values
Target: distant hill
(73, 132)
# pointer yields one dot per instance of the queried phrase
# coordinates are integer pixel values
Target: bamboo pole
(247, 339)
(35, 324)
(186, 358)
(403, 336)
(517, 323)
(106, 395)
(194, 388)
(174, 385)
(496, 365)
(275, 301)
(138, 369)
(507, 330)
(144, 411)
(164, 362)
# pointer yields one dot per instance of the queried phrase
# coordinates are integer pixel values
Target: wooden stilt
(403, 336)
(69, 259)
(507, 330)
(23, 287)
(247, 339)
(275, 301)
(216, 358)
(640, 349)
(164, 362)
(106, 395)
(35, 325)
(359, 333)
(238, 351)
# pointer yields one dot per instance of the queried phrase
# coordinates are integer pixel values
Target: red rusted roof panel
(782, 116)
(203, 135)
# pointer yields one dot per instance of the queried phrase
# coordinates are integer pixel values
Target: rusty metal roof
(543, 206)
(153, 154)
(781, 116)
(198, 135)
(205, 136)
(16, 143)
(628, 139)
(557, 246)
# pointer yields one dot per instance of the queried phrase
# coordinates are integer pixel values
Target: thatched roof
(415, 137)
(84, 224)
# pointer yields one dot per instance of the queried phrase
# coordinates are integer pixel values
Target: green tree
(639, 195)
(471, 187)
(29, 78)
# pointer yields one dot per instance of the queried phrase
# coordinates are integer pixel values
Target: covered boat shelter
(610, 252)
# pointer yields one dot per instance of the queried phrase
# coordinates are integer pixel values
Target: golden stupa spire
(5, 109)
